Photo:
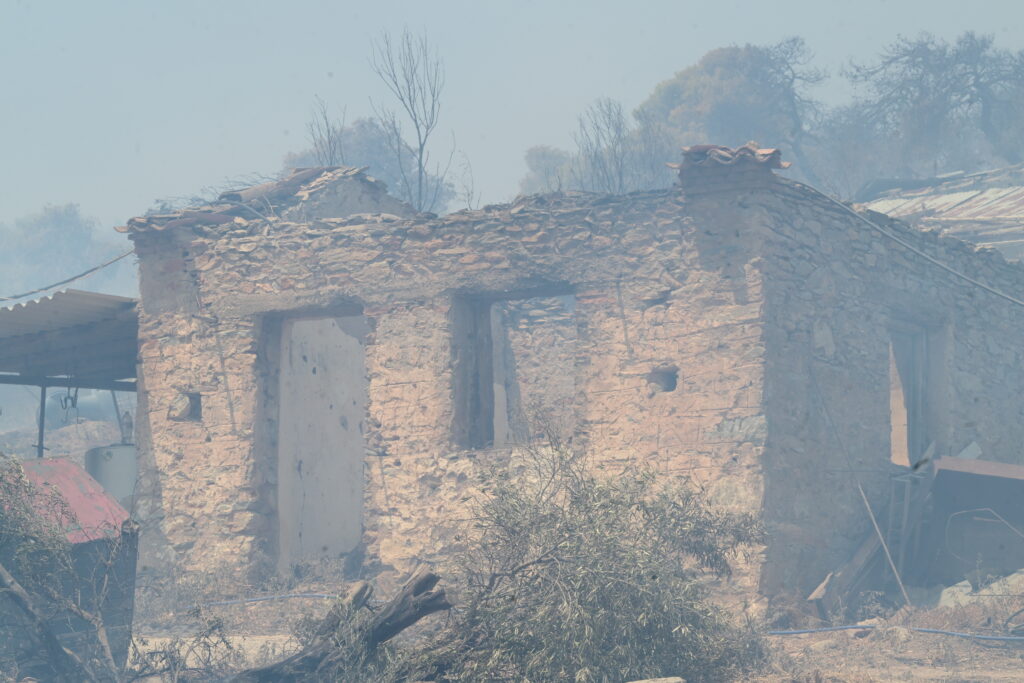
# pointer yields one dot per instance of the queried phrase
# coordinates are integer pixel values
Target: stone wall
(657, 325)
(837, 289)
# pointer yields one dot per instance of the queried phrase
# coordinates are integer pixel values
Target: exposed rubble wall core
(690, 330)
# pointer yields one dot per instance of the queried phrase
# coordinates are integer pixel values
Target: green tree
(737, 94)
(548, 169)
(564, 573)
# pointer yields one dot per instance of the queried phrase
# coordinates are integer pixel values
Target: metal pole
(117, 413)
(42, 421)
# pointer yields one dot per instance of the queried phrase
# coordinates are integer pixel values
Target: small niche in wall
(663, 379)
(186, 407)
(195, 406)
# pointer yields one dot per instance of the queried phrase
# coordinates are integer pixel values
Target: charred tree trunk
(416, 599)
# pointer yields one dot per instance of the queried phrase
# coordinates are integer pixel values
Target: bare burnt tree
(326, 135)
(601, 143)
(652, 149)
(466, 191)
(613, 156)
(414, 75)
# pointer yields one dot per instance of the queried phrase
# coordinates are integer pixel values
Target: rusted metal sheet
(95, 515)
(976, 527)
(981, 468)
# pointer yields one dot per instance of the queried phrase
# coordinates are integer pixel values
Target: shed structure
(71, 339)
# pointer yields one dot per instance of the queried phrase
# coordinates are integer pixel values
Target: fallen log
(417, 598)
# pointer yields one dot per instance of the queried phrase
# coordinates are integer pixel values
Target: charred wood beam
(73, 355)
(100, 369)
(126, 320)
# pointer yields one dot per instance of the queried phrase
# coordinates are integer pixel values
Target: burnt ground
(893, 652)
(264, 631)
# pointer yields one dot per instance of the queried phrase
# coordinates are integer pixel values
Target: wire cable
(68, 280)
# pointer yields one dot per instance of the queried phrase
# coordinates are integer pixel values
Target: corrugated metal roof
(94, 513)
(61, 309)
(984, 208)
(84, 336)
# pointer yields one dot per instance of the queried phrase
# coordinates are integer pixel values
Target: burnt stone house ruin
(322, 369)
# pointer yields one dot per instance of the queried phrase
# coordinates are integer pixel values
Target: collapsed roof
(304, 194)
(985, 208)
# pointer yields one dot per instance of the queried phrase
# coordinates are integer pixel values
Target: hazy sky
(113, 104)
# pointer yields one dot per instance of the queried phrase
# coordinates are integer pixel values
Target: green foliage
(548, 170)
(731, 96)
(924, 107)
(568, 573)
(573, 574)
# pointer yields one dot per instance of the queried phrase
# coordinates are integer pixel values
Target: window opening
(515, 377)
(910, 394)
